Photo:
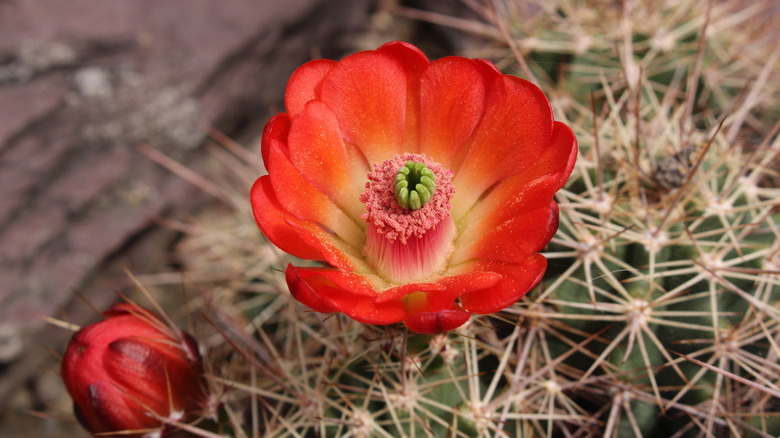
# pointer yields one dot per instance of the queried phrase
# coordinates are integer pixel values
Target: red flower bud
(130, 369)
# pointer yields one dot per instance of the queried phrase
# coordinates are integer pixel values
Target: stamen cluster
(409, 231)
(385, 212)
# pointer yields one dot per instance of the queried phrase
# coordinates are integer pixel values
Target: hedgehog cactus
(659, 311)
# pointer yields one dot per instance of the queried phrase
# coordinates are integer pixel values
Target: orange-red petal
(275, 134)
(517, 238)
(298, 237)
(452, 101)
(323, 288)
(457, 285)
(303, 200)
(516, 280)
(516, 217)
(414, 63)
(424, 307)
(304, 84)
(317, 151)
(367, 92)
(563, 149)
(558, 157)
(431, 323)
(305, 291)
(509, 224)
(274, 221)
(515, 129)
(413, 59)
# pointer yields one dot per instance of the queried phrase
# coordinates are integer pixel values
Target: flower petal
(515, 239)
(367, 310)
(275, 133)
(347, 292)
(517, 279)
(317, 150)
(452, 101)
(335, 251)
(514, 131)
(304, 239)
(559, 158)
(414, 59)
(303, 200)
(305, 291)
(273, 220)
(564, 137)
(457, 285)
(442, 293)
(367, 92)
(403, 290)
(304, 84)
(414, 63)
(516, 216)
(431, 323)
(510, 223)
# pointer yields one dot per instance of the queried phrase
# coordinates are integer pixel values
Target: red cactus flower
(426, 188)
(130, 369)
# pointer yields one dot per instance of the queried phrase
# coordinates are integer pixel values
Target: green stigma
(414, 185)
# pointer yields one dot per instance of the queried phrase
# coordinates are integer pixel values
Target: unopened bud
(129, 371)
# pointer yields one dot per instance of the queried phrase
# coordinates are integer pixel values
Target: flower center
(414, 185)
(410, 230)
